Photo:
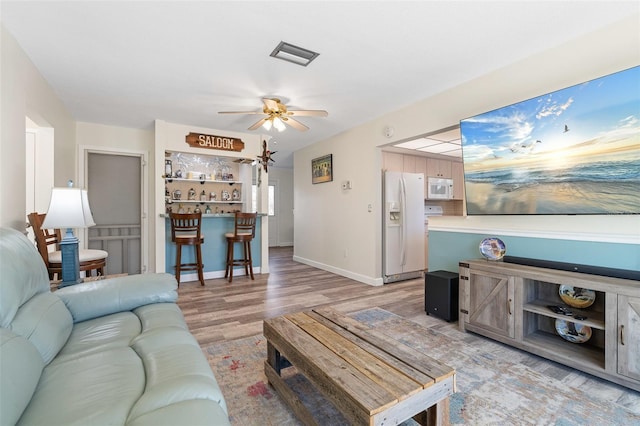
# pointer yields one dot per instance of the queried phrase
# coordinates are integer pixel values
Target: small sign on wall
(223, 143)
(322, 169)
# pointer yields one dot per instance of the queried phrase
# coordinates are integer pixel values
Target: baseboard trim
(342, 272)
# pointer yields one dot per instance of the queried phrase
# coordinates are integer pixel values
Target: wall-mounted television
(573, 151)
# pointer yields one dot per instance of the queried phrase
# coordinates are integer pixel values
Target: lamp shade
(69, 208)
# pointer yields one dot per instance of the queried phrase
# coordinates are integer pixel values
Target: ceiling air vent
(295, 54)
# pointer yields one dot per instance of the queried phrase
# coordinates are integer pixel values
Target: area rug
(496, 384)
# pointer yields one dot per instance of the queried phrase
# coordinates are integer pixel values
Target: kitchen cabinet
(457, 173)
(421, 167)
(409, 163)
(439, 168)
(392, 162)
(510, 303)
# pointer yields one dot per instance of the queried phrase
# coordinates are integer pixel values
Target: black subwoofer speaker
(441, 294)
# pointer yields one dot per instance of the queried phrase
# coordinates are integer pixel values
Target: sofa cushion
(160, 315)
(99, 334)
(176, 370)
(46, 322)
(174, 414)
(23, 273)
(96, 299)
(95, 389)
(20, 369)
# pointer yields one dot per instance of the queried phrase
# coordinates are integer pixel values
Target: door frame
(83, 173)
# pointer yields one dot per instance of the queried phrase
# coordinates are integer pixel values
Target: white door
(114, 185)
(274, 201)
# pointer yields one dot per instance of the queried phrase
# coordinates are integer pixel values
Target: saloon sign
(224, 143)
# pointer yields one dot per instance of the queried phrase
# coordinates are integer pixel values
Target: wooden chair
(244, 232)
(90, 259)
(186, 230)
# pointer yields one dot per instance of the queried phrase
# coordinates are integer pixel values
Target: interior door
(114, 185)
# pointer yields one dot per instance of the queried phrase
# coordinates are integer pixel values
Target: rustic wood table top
(371, 377)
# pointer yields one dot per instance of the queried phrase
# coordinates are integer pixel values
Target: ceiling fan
(277, 115)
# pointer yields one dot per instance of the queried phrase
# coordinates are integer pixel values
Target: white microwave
(439, 188)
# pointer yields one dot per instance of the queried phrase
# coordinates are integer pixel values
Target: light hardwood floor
(221, 311)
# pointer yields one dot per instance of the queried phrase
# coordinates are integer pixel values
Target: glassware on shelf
(192, 194)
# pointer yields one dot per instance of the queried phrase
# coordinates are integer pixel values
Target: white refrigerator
(403, 226)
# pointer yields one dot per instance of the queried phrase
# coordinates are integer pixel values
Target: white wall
(24, 92)
(284, 216)
(334, 230)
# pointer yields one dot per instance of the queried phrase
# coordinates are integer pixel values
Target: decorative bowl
(572, 332)
(492, 248)
(577, 297)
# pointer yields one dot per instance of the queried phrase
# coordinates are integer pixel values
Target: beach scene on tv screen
(573, 151)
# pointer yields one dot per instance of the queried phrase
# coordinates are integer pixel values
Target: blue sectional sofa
(116, 351)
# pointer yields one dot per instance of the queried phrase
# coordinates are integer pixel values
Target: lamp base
(70, 260)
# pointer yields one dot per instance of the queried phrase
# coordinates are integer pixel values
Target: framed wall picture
(322, 169)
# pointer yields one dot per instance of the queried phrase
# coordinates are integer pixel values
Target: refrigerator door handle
(403, 222)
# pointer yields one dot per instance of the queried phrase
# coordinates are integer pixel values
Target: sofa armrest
(99, 298)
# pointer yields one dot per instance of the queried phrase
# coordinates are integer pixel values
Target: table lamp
(69, 208)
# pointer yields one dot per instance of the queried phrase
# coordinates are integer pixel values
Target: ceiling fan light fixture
(297, 55)
(267, 125)
(278, 124)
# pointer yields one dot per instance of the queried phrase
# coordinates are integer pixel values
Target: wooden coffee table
(372, 378)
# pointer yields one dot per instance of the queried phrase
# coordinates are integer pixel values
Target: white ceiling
(128, 63)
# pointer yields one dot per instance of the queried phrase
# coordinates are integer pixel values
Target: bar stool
(244, 232)
(185, 231)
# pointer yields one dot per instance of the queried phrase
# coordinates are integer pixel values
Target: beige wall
(26, 93)
(335, 231)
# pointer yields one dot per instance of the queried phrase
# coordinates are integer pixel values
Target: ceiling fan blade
(259, 123)
(272, 104)
(308, 112)
(240, 112)
(295, 124)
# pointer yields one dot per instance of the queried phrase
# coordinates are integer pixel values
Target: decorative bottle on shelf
(197, 209)
(203, 196)
(207, 210)
(180, 208)
(213, 196)
(192, 194)
(235, 195)
(168, 172)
